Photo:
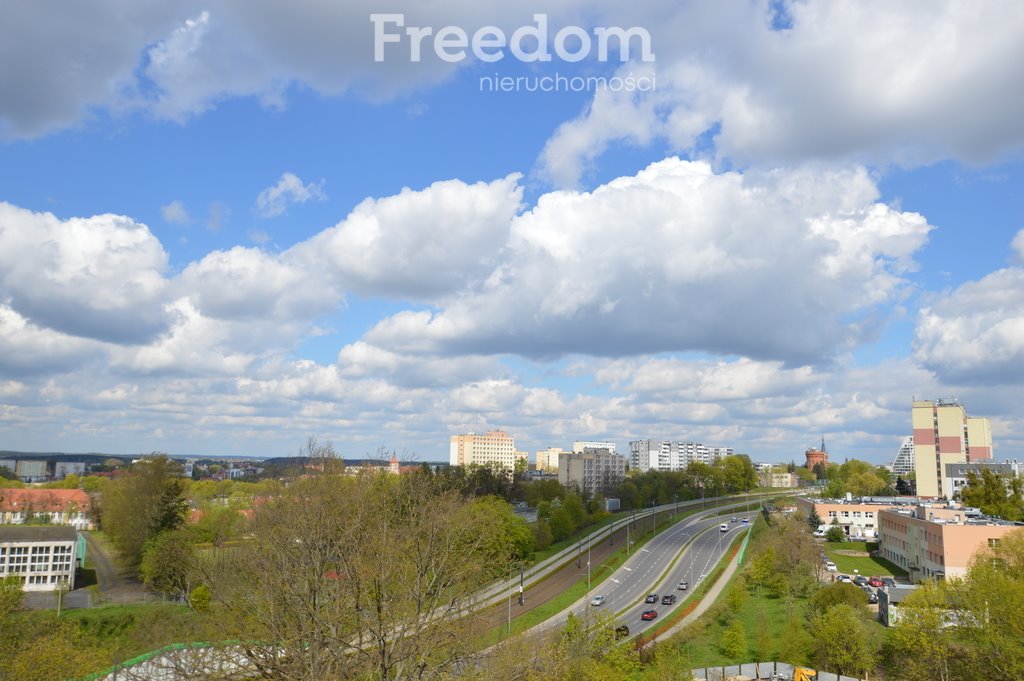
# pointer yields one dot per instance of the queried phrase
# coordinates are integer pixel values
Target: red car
(649, 615)
(876, 582)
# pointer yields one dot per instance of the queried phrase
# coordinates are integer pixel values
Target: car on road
(888, 581)
(683, 586)
(860, 580)
(844, 578)
(649, 615)
(830, 566)
(597, 600)
(875, 582)
(621, 631)
(733, 519)
(668, 599)
(723, 527)
(651, 598)
(745, 521)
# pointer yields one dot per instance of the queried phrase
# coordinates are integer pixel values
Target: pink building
(937, 541)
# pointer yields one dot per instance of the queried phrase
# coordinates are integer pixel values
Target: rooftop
(36, 533)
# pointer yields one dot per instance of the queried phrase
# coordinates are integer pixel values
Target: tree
(835, 594)
(987, 611)
(144, 503)
(169, 563)
(994, 494)
(841, 643)
(355, 576)
(734, 640)
(922, 647)
(814, 520)
(835, 533)
(503, 534)
(218, 524)
(11, 596)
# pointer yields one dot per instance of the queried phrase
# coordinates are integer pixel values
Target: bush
(835, 534)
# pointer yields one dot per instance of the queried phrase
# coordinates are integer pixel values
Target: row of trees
(965, 629)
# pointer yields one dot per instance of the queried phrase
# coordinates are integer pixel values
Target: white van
(723, 527)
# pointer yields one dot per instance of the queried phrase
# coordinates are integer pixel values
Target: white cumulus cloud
(274, 200)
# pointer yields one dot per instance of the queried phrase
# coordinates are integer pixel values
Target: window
(993, 543)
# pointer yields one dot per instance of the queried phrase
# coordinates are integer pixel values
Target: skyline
(226, 227)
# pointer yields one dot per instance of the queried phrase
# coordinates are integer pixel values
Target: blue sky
(224, 227)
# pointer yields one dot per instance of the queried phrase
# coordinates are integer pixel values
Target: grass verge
(865, 565)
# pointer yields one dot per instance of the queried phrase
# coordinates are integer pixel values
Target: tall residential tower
(943, 434)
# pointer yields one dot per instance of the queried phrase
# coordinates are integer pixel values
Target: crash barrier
(766, 671)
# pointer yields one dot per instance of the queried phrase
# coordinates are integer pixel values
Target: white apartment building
(41, 558)
(666, 455)
(493, 448)
(30, 470)
(903, 464)
(547, 459)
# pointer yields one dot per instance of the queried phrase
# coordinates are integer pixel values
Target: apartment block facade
(666, 455)
(593, 471)
(945, 434)
(903, 464)
(493, 448)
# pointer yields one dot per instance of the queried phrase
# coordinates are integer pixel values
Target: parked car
(651, 598)
(649, 615)
(621, 631)
(830, 566)
(860, 580)
(683, 586)
(872, 596)
(668, 599)
(888, 581)
(844, 578)
(875, 582)
(597, 600)
(819, 533)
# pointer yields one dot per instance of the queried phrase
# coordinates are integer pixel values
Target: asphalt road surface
(648, 571)
(666, 544)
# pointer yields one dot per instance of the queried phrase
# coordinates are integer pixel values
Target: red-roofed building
(57, 506)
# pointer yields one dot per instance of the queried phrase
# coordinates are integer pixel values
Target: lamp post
(588, 563)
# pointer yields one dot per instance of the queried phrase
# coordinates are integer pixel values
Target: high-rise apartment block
(493, 448)
(903, 464)
(593, 470)
(945, 434)
(665, 455)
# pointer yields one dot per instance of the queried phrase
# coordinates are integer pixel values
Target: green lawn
(758, 613)
(865, 565)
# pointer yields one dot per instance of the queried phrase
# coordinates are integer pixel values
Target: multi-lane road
(687, 551)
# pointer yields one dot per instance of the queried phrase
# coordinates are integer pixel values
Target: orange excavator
(802, 674)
